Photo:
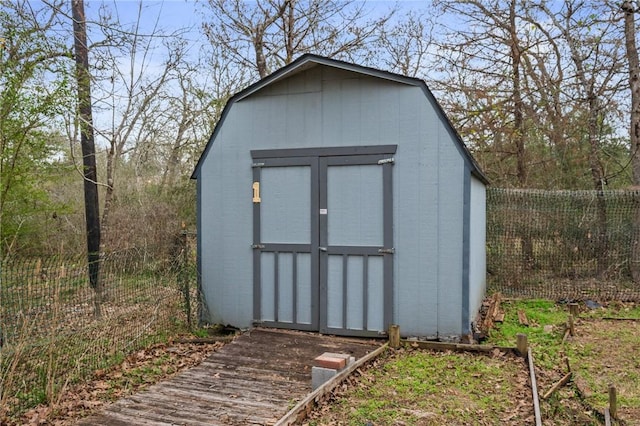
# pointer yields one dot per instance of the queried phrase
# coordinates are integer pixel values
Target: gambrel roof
(308, 61)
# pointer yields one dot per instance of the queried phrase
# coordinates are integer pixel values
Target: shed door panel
(354, 205)
(285, 204)
(283, 237)
(323, 256)
(362, 284)
(353, 298)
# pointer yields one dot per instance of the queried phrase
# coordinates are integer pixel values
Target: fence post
(183, 273)
(573, 309)
(394, 336)
(613, 401)
(522, 344)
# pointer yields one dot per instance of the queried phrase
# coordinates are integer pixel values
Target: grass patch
(424, 387)
(545, 330)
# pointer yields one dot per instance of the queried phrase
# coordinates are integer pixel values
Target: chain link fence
(562, 244)
(51, 335)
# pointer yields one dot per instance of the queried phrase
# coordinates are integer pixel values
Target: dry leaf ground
(136, 372)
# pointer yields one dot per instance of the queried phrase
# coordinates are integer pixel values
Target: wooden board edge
(461, 347)
(302, 408)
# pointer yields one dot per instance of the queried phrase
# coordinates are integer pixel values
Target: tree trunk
(92, 211)
(594, 106)
(108, 194)
(601, 245)
(634, 134)
(526, 243)
(261, 60)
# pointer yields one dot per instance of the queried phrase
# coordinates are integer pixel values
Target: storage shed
(338, 198)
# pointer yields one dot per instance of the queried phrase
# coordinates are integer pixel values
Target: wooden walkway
(254, 380)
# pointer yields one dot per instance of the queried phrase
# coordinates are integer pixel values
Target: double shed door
(322, 239)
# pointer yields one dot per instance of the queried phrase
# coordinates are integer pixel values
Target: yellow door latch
(256, 192)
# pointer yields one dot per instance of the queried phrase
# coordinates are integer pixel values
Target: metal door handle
(322, 248)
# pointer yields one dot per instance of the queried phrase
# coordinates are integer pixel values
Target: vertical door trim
(257, 269)
(315, 243)
(323, 258)
(387, 197)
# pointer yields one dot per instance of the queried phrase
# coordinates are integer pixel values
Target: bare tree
(134, 68)
(406, 45)
(190, 117)
(595, 53)
(545, 77)
(484, 82)
(525, 79)
(268, 34)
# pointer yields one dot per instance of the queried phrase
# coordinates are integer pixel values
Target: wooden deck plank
(215, 382)
(239, 387)
(252, 380)
(176, 408)
(250, 374)
(128, 419)
(197, 397)
(158, 417)
(232, 359)
(198, 409)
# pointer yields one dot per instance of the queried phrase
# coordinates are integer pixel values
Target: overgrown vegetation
(122, 377)
(51, 337)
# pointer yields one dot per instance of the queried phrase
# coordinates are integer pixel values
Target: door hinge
(387, 251)
(257, 246)
(387, 160)
(257, 164)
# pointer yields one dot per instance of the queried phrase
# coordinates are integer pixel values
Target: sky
(175, 14)
(172, 13)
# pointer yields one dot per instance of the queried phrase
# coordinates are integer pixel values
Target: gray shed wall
(329, 107)
(478, 247)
